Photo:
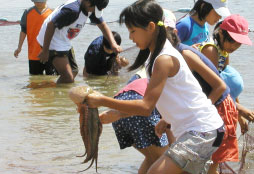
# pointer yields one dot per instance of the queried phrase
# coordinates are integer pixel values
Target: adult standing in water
(64, 24)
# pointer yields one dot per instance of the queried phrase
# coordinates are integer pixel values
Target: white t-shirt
(182, 102)
(61, 40)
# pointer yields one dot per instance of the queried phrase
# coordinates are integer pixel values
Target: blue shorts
(138, 131)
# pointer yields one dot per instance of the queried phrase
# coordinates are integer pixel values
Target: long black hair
(140, 14)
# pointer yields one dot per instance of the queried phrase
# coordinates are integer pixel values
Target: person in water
(137, 131)
(228, 36)
(174, 91)
(193, 28)
(30, 23)
(100, 58)
(63, 25)
(215, 88)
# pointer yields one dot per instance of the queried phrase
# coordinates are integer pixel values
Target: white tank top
(182, 102)
(61, 40)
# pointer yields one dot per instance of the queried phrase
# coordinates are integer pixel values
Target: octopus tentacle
(90, 125)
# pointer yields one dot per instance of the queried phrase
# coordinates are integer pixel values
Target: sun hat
(237, 27)
(99, 6)
(38, 0)
(169, 18)
(220, 6)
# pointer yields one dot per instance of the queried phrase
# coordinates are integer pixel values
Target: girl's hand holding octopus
(93, 100)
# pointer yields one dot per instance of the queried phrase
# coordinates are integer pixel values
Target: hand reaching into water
(246, 113)
(243, 124)
(122, 61)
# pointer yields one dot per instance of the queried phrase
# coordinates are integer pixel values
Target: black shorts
(70, 54)
(37, 68)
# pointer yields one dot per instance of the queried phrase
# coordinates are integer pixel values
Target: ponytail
(161, 39)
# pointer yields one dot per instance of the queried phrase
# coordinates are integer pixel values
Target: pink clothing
(138, 86)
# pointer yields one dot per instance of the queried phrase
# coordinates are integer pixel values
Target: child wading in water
(137, 131)
(193, 28)
(215, 89)
(63, 25)
(31, 22)
(174, 91)
(228, 36)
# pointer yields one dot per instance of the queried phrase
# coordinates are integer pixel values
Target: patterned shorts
(138, 130)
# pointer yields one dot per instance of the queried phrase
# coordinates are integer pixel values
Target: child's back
(31, 23)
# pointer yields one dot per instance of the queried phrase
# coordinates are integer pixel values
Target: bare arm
(109, 36)
(164, 67)
(246, 113)
(47, 39)
(22, 37)
(112, 115)
(211, 53)
(196, 64)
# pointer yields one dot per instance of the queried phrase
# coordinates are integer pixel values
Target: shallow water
(39, 130)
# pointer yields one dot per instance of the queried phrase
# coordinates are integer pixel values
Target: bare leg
(75, 73)
(151, 153)
(85, 74)
(213, 168)
(64, 69)
(164, 165)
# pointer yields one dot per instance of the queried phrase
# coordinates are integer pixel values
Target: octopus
(90, 125)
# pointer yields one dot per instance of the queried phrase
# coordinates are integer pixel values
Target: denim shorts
(193, 150)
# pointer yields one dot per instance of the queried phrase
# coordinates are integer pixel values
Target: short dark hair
(100, 4)
(117, 39)
(202, 8)
(226, 36)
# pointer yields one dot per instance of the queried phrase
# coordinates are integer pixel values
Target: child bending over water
(228, 36)
(174, 91)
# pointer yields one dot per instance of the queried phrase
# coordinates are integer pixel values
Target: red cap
(237, 27)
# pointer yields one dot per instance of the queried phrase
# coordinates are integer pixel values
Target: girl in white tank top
(173, 90)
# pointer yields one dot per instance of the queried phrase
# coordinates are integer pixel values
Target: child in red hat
(228, 36)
